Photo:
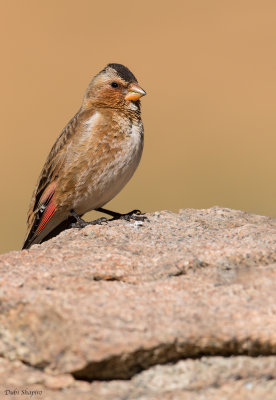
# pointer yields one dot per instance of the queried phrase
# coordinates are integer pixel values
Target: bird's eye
(114, 84)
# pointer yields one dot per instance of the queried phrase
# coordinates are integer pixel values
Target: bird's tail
(34, 238)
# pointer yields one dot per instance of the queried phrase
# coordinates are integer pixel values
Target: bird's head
(114, 87)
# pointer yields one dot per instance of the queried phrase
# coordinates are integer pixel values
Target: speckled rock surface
(117, 311)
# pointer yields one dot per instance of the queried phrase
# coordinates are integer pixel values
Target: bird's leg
(80, 223)
(134, 214)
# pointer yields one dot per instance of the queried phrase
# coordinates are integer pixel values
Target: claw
(98, 221)
(138, 212)
(80, 223)
(135, 215)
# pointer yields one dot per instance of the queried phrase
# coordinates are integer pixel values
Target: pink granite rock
(122, 301)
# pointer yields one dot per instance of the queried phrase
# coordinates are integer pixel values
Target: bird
(93, 158)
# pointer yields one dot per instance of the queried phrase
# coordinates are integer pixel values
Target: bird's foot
(135, 215)
(81, 223)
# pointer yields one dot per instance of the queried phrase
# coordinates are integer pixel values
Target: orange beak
(134, 92)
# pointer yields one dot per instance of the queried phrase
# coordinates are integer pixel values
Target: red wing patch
(47, 194)
(47, 215)
(44, 212)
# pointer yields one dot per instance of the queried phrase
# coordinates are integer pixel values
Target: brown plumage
(93, 158)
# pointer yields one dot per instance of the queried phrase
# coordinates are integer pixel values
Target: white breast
(91, 123)
(136, 133)
(117, 172)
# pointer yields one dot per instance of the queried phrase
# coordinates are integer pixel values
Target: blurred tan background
(209, 70)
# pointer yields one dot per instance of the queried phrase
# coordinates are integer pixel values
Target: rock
(182, 306)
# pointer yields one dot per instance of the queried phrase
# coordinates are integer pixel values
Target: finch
(94, 157)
